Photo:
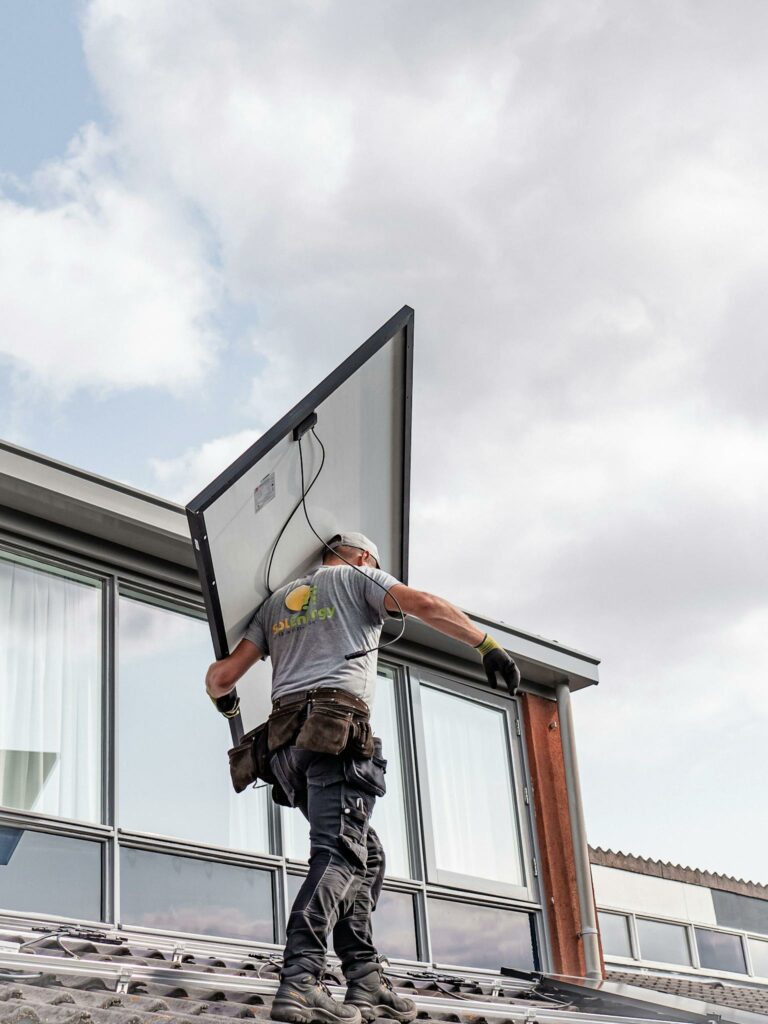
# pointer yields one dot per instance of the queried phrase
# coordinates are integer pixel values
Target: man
(308, 627)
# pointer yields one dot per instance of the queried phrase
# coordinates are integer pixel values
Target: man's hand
(496, 660)
(228, 705)
(221, 677)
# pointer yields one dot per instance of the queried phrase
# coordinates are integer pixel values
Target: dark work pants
(346, 860)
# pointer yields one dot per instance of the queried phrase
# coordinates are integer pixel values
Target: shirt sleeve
(374, 584)
(254, 632)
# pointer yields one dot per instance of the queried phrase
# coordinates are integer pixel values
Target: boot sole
(370, 1012)
(294, 1013)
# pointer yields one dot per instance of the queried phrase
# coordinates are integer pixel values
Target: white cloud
(102, 286)
(572, 197)
(183, 477)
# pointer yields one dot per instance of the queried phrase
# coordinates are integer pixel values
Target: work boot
(303, 999)
(374, 996)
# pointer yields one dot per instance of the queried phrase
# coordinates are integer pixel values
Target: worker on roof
(324, 760)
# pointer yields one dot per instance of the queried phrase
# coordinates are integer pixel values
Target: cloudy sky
(204, 206)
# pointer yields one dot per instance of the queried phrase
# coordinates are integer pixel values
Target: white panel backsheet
(360, 488)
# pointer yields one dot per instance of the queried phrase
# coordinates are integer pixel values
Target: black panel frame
(401, 321)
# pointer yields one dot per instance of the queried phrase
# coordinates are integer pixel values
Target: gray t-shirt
(307, 626)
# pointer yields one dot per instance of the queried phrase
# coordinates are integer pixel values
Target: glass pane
(758, 950)
(744, 913)
(667, 943)
(185, 894)
(50, 692)
(468, 936)
(614, 934)
(394, 921)
(719, 951)
(389, 812)
(295, 833)
(173, 743)
(394, 926)
(47, 874)
(470, 782)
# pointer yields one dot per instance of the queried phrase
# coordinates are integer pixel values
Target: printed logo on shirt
(302, 601)
(298, 599)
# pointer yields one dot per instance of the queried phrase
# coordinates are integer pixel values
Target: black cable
(295, 509)
(355, 654)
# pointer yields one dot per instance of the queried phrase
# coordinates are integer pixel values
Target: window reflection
(758, 950)
(47, 874)
(389, 813)
(187, 894)
(471, 936)
(50, 692)
(614, 934)
(173, 743)
(394, 921)
(394, 925)
(470, 781)
(666, 943)
(719, 951)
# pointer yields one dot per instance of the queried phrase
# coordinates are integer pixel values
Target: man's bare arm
(436, 612)
(448, 619)
(223, 675)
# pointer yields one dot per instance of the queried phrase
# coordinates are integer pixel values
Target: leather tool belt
(326, 720)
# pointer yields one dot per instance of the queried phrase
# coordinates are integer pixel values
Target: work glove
(496, 660)
(228, 705)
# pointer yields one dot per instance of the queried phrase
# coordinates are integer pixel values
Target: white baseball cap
(355, 540)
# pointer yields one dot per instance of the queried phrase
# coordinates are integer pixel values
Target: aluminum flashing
(543, 664)
(54, 492)
(363, 414)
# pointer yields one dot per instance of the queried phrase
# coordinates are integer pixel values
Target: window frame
(144, 578)
(694, 968)
(529, 890)
(33, 556)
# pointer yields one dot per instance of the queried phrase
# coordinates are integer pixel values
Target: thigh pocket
(367, 774)
(355, 818)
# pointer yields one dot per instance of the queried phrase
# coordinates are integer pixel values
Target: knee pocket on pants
(354, 824)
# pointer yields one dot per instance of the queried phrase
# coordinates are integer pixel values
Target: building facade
(659, 918)
(116, 809)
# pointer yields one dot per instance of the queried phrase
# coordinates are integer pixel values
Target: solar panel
(363, 411)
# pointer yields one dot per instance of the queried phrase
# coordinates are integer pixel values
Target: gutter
(587, 911)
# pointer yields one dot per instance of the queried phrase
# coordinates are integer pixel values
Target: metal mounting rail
(122, 974)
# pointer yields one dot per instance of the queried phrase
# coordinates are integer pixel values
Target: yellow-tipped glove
(228, 705)
(496, 660)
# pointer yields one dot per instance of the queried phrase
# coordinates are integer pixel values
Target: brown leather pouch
(360, 742)
(326, 729)
(249, 759)
(284, 724)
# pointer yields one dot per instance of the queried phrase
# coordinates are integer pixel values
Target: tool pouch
(249, 759)
(284, 724)
(326, 730)
(360, 742)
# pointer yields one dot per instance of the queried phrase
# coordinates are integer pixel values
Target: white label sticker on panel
(265, 492)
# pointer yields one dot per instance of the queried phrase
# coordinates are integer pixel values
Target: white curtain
(50, 693)
(470, 788)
